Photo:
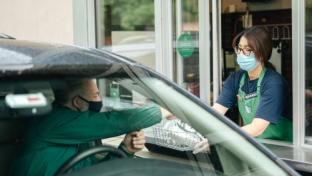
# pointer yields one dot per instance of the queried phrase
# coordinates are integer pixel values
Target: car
(31, 71)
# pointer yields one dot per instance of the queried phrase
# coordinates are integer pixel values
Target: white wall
(40, 20)
(270, 5)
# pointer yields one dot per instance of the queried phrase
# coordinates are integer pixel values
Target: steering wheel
(91, 151)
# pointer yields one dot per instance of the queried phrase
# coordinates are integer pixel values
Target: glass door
(192, 55)
(127, 28)
(186, 45)
(308, 71)
(174, 37)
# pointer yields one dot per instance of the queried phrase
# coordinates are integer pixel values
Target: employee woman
(260, 93)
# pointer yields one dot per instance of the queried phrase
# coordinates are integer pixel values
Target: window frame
(84, 24)
(298, 17)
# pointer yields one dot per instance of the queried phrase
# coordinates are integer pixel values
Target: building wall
(40, 20)
(269, 5)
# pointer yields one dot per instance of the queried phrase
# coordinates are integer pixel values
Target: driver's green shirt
(53, 139)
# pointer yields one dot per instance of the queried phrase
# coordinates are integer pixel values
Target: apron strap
(242, 80)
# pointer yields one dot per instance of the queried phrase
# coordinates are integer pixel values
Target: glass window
(308, 60)
(127, 28)
(186, 55)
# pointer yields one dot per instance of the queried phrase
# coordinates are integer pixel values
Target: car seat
(12, 129)
(11, 133)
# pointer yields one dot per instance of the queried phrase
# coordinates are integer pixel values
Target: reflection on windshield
(20, 61)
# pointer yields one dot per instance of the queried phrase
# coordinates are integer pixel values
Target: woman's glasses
(245, 51)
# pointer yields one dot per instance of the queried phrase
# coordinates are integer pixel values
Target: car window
(184, 125)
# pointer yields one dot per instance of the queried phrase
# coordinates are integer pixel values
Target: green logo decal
(186, 45)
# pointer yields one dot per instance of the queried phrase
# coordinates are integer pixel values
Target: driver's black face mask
(94, 106)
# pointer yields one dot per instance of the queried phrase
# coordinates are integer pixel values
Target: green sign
(186, 45)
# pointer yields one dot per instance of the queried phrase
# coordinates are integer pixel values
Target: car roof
(31, 59)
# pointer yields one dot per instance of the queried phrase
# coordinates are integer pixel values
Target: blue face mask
(247, 63)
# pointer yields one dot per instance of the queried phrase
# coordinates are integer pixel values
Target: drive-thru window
(191, 43)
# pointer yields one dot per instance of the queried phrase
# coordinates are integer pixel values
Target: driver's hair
(65, 90)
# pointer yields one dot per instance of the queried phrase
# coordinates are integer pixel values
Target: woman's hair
(260, 41)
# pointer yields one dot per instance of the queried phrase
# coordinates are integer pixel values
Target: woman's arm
(219, 108)
(256, 127)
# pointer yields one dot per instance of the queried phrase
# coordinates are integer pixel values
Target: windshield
(229, 153)
(186, 134)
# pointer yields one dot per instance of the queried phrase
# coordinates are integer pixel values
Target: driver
(74, 123)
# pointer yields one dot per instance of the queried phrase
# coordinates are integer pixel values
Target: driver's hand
(134, 141)
(202, 147)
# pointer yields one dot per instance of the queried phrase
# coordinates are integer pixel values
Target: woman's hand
(219, 108)
(201, 147)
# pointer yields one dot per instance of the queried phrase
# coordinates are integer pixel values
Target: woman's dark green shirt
(53, 139)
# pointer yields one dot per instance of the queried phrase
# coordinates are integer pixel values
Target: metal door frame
(164, 44)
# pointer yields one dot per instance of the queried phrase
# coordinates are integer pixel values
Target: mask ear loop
(87, 101)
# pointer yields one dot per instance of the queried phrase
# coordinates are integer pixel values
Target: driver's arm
(67, 128)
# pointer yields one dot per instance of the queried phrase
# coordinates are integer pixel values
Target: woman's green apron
(248, 105)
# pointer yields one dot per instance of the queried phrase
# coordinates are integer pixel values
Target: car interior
(15, 118)
(13, 121)
(168, 144)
